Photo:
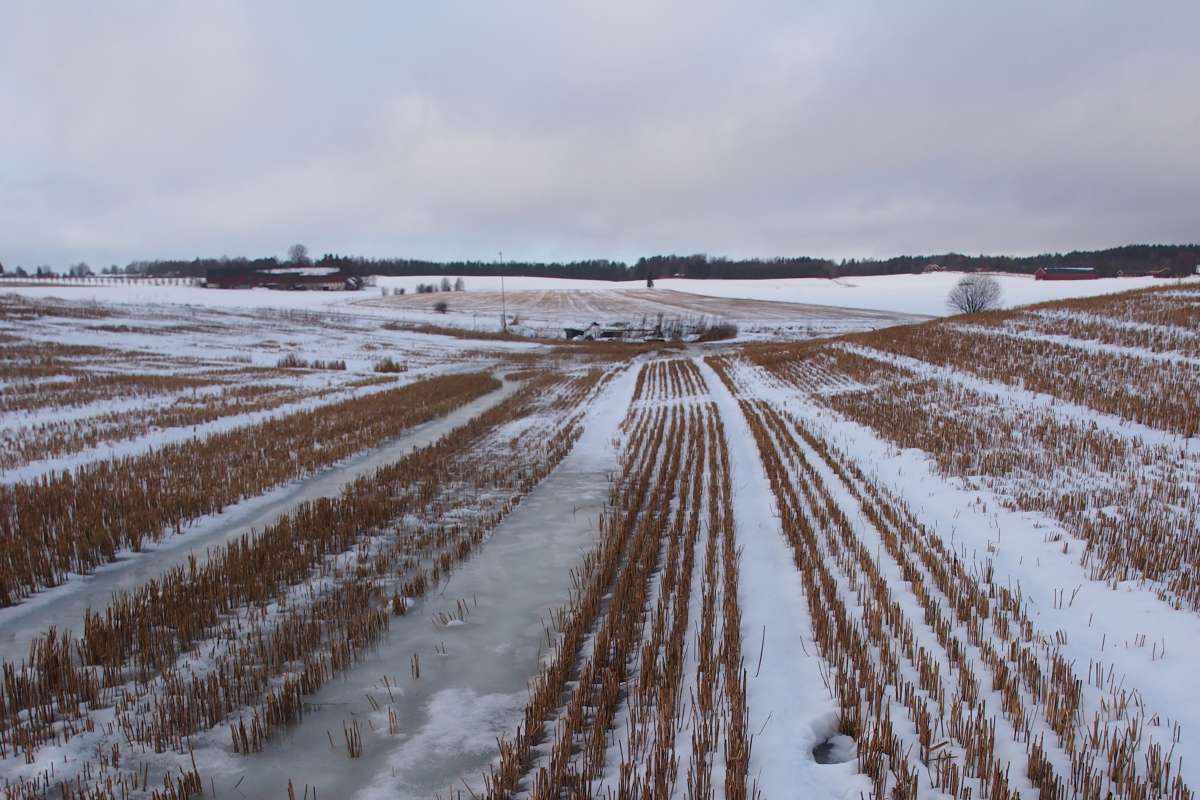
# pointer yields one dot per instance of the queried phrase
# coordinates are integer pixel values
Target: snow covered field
(953, 560)
(85, 381)
(539, 306)
(905, 294)
(545, 313)
(555, 302)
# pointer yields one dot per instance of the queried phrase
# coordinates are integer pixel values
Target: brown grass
(877, 657)
(75, 521)
(660, 521)
(464, 333)
(128, 655)
(1155, 393)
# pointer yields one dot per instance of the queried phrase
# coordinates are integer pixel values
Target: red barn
(1066, 274)
(294, 280)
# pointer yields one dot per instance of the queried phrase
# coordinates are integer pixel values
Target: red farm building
(1066, 274)
(308, 280)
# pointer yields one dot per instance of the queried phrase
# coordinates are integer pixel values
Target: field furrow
(941, 676)
(956, 559)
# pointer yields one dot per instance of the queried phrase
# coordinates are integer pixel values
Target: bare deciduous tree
(298, 254)
(975, 293)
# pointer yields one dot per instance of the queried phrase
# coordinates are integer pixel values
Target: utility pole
(503, 303)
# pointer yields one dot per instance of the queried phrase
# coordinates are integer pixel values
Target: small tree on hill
(440, 306)
(298, 254)
(975, 293)
(460, 285)
(445, 284)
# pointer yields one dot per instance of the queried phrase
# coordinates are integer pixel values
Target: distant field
(547, 311)
(915, 295)
(907, 294)
(78, 381)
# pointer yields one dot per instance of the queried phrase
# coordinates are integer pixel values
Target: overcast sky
(570, 128)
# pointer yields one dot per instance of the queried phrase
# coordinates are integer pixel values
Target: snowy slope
(906, 294)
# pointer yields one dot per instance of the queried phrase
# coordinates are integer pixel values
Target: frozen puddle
(473, 675)
(64, 606)
(450, 717)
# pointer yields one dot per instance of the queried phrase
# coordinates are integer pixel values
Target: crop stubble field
(986, 586)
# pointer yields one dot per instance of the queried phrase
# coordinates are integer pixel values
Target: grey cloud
(563, 130)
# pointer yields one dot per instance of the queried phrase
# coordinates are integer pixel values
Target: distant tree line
(1133, 258)
(1179, 259)
(430, 288)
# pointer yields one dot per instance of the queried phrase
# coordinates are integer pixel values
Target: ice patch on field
(461, 723)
